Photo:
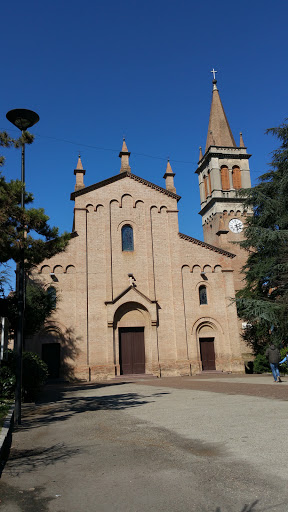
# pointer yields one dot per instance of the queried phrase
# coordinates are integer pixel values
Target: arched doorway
(130, 328)
(206, 336)
(51, 356)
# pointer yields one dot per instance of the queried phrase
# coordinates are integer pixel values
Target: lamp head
(22, 118)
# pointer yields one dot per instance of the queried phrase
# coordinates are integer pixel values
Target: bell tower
(222, 170)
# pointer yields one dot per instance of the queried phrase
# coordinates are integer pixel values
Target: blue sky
(95, 70)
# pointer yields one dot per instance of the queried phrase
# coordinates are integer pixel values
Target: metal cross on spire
(214, 73)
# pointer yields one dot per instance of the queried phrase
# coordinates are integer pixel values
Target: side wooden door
(207, 354)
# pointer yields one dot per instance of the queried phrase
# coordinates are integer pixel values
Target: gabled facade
(137, 296)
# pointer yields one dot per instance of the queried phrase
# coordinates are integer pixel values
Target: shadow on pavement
(246, 508)
(25, 500)
(29, 460)
(251, 508)
(55, 406)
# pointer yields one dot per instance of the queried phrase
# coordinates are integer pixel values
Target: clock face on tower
(236, 225)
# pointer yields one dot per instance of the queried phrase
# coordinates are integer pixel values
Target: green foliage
(18, 226)
(24, 229)
(7, 375)
(4, 278)
(39, 305)
(263, 301)
(261, 364)
(34, 375)
(256, 336)
(4, 409)
(6, 142)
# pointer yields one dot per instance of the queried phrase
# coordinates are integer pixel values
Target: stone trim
(233, 155)
(124, 174)
(213, 200)
(126, 291)
(206, 246)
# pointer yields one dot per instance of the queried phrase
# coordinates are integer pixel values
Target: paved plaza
(214, 443)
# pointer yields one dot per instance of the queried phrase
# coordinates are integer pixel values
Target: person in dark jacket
(274, 357)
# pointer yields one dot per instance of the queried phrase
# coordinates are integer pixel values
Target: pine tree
(19, 226)
(40, 302)
(263, 302)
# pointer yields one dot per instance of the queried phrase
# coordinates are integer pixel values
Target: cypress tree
(263, 302)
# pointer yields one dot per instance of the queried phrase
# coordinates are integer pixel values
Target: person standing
(274, 357)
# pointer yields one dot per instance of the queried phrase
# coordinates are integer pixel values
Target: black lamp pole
(22, 119)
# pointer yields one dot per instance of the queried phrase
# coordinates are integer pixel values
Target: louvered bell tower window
(127, 238)
(236, 176)
(225, 178)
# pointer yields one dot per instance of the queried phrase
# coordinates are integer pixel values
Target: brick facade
(154, 286)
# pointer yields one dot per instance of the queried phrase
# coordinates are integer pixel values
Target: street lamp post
(22, 119)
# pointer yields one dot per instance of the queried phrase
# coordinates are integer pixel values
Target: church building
(136, 296)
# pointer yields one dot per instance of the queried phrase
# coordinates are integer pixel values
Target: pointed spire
(218, 123)
(169, 168)
(124, 155)
(124, 147)
(79, 173)
(200, 153)
(241, 145)
(79, 163)
(169, 177)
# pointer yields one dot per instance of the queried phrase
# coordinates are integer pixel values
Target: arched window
(225, 178)
(203, 295)
(51, 292)
(205, 186)
(236, 177)
(209, 183)
(127, 238)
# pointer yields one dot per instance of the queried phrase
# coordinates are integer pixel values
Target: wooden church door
(131, 350)
(207, 354)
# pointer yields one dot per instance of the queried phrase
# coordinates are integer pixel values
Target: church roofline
(207, 246)
(125, 174)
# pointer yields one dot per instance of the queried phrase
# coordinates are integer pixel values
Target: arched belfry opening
(131, 330)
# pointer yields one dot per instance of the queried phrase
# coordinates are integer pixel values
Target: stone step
(205, 372)
(134, 376)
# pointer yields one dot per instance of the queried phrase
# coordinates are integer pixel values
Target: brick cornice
(206, 246)
(118, 177)
(235, 154)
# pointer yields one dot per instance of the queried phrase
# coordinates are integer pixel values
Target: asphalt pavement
(203, 444)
